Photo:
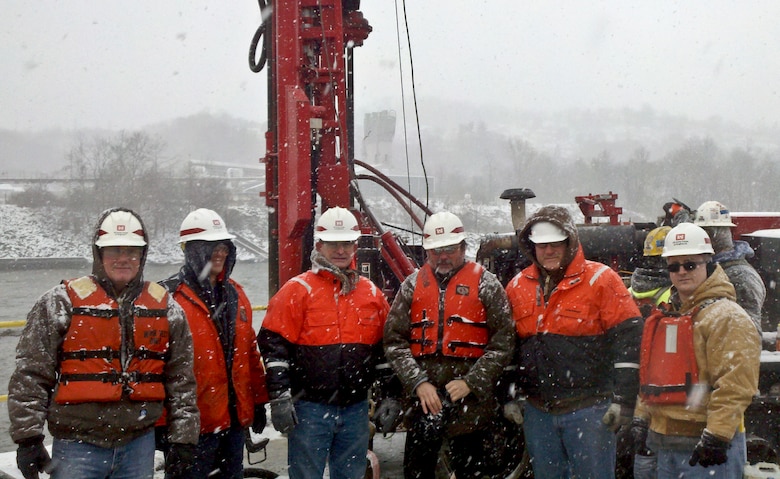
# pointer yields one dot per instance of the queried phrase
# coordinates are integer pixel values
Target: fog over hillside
(476, 153)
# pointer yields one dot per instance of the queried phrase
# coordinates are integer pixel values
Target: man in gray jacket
(448, 336)
(732, 255)
(99, 359)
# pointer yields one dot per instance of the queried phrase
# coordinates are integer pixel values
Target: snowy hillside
(37, 233)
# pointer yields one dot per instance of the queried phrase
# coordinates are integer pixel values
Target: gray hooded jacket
(106, 424)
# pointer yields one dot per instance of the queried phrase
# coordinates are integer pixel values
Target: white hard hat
(442, 229)
(120, 228)
(205, 225)
(337, 224)
(687, 239)
(713, 213)
(546, 232)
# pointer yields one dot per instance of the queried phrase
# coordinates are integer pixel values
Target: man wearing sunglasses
(579, 331)
(694, 423)
(448, 337)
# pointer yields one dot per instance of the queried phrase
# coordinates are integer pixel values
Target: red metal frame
(602, 205)
(307, 143)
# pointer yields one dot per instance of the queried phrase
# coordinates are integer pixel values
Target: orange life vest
(91, 367)
(460, 328)
(668, 370)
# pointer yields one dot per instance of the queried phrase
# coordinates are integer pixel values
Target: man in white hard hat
(100, 358)
(321, 341)
(578, 350)
(448, 336)
(732, 255)
(694, 409)
(228, 368)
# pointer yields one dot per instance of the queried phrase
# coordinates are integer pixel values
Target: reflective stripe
(303, 283)
(598, 273)
(278, 364)
(627, 365)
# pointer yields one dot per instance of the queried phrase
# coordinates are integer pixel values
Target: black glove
(710, 451)
(283, 414)
(32, 457)
(161, 438)
(638, 433)
(388, 415)
(260, 421)
(179, 459)
(617, 415)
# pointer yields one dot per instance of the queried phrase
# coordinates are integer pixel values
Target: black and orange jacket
(579, 337)
(459, 328)
(247, 372)
(91, 368)
(321, 336)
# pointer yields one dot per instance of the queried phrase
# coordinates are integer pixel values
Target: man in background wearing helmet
(99, 359)
(448, 337)
(697, 431)
(579, 331)
(228, 368)
(715, 218)
(321, 339)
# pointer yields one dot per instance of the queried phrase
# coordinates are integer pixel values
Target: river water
(20, 289)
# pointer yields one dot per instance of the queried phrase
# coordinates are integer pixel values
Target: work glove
(388, 415)
(513, 410)
(638, 433)
(283, 414)
(161, 438)
(260, 421)
(179, 460)
(710, 451)
(32, 457)
(617, 415)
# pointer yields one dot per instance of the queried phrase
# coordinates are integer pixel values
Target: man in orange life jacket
(448, 336)
(228, 368)
(99, 359)
(579, 331)
(699, 367)
(321, 340)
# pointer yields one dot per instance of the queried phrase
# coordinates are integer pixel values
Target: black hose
(257, 66)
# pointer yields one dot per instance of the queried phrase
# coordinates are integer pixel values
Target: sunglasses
(688, 266)
(446, 249)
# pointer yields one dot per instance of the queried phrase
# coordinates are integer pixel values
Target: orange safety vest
(668, 370)
(460, 328)
(90, 355)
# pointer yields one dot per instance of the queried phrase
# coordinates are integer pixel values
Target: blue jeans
(575, 444)
(223, 450)
(134, 460)
(338, 435)
(673, 463)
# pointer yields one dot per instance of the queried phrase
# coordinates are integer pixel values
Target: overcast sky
(123, 65)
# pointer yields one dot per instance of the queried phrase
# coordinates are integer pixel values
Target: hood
(559, 216)
(197, 257)
(97, 264)
(741, 250)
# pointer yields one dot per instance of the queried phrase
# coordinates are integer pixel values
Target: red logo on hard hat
(679, 237)
(120, 227)
(215, 222)
(339, 223)
(439, 231)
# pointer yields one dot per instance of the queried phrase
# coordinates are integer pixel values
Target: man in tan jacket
(694, 409)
